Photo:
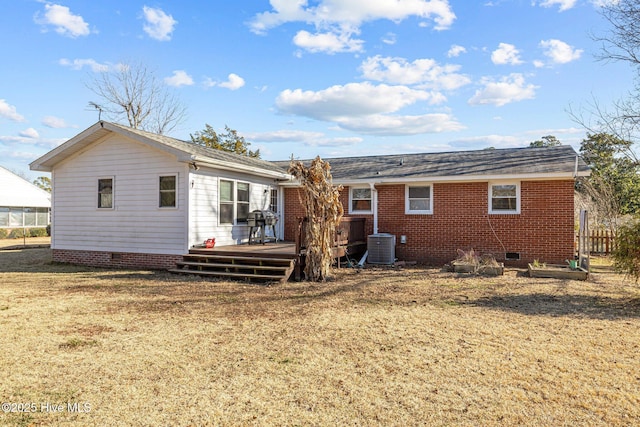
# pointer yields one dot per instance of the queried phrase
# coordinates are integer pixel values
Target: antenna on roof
(97, 107)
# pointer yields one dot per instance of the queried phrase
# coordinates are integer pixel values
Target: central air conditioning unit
(382, 248)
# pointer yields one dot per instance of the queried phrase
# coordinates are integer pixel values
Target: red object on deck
(210, 243)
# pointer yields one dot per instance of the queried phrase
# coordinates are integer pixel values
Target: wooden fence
(601, 242)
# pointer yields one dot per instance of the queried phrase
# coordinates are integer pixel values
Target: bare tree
(620, 43)
(131, 92)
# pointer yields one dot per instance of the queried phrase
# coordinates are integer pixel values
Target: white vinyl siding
(204, 212)
(134, 224)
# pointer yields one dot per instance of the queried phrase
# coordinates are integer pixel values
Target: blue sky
(313, 77)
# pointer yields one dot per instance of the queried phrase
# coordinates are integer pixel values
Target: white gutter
(374, 206)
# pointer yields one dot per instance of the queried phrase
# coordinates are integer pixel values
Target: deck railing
(350, 232)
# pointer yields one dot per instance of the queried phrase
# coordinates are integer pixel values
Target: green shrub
(37, 232)
(49, 230)
(626, 255)
(3, 233)
(16, 233)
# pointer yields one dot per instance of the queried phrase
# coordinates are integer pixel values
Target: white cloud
(234, 82)
(564, 4)
(353, 99)
(335, 142)
(495, 141)
(336, 21)
(306, 137)
(367, 108)
(158, 25)
(424, 72)
(24, 141)
(506, 54)
(179, 78)
(327, 42)
(456, 50)
(560, 52)
(390, 125)
(54, 122)
(30, 133)
(285, 136)
(10, 112)
(63, 21)
(389, 38)
(508, 89)
(79, 64)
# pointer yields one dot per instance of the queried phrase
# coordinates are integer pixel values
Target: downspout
(374, 206)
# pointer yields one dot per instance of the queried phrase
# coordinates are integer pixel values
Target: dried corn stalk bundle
(321, 201)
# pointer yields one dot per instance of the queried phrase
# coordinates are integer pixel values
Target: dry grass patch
(387, 347)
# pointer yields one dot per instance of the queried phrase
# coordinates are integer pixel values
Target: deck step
(227, 274)
(260, 268)
(233, 266)
(245, 259)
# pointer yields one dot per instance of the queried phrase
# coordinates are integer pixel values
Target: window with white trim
(273, 201)
(23, 217)
(168, 191)
(360, 200)
(233, 201)
(418, 199)
(105, 193)
(504, 198)
(242, 207)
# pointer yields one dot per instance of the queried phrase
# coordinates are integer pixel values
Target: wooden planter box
(463, 267)
(492, 270)
(558, 271)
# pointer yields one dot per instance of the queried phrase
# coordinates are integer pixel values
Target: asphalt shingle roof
(512, 161)
(199, 150)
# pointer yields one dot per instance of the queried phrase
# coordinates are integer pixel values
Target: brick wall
(116, 259)
(543, 230)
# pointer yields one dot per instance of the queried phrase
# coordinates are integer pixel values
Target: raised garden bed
(558, 271)
(488, 270)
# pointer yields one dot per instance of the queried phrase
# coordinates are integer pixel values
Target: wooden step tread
(226, 274)
(239, 258)
(238, 266)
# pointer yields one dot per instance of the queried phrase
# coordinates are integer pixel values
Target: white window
(418, 199)
(504, 198)
(360, 200)
(234, 202)
(242, 207)
(168, 191)
(105, 193)
(273, 202)
(23, 217)
(4, 216)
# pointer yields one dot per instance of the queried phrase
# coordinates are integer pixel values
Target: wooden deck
(286, 249)
(271, 261)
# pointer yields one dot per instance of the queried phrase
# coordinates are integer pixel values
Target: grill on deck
(258, 222)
